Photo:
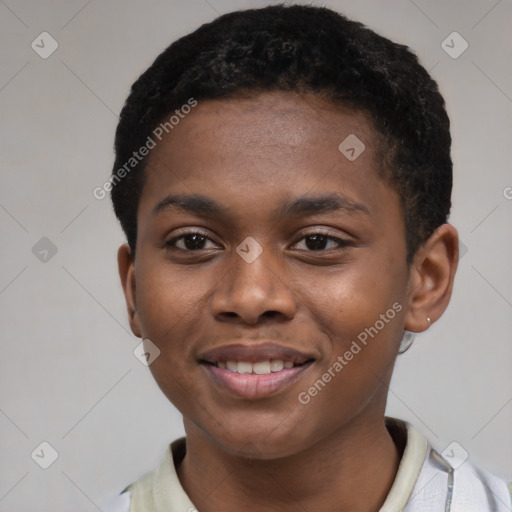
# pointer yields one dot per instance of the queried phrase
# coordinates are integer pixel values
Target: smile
(257, 368)
(244, 381)
(254, 370)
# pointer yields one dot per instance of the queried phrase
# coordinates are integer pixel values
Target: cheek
(170, 307)
(167, 300)
(360, 309)
(361, 318)
(346, 302)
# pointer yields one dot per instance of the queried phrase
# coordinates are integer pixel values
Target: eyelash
(171, 244)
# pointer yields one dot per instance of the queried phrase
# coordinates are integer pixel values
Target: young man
(283, 177)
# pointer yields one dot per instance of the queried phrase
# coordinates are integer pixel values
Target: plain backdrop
(68, 373)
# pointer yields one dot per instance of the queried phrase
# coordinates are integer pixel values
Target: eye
(193, 241)
(320, 242)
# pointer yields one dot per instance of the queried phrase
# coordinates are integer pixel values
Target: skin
(250, 155)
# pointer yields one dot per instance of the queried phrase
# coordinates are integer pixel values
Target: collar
(162, 491)
(410, 466)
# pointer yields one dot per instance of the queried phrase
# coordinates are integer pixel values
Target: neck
(327, 476)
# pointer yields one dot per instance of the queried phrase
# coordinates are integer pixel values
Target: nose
(252, 293)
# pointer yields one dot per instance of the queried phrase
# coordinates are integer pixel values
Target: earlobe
(126, 269)
(431, 278)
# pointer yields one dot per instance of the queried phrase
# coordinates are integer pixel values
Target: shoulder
(473, 484)
(430, 480)
(160, 485)
(465, 487)
(116, 503)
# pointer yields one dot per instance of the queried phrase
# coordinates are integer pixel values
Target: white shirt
(425, 482)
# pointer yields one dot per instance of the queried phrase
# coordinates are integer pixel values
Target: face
(262, 248)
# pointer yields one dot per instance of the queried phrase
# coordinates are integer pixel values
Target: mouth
(254, 371)
(264, 367)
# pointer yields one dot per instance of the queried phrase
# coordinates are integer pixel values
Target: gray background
(69, 376)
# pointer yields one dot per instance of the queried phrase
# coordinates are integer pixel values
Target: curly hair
(310, 50)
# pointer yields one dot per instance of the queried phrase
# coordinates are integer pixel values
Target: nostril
(230, 314)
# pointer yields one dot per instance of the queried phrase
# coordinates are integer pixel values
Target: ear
(431, 278)
(126, 267)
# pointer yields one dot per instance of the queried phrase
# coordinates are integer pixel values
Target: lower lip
(250, 385)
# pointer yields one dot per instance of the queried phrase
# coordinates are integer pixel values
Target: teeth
(261, 368)
(276, 365)
(232, 366)
(244, 367)
(258, 368)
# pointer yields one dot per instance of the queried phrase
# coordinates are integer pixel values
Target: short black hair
(310, 50)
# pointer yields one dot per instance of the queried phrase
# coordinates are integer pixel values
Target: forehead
(251, 148)
(268, 120)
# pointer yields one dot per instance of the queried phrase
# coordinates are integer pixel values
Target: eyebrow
(311, 205)
(195, 204)
(302, 206)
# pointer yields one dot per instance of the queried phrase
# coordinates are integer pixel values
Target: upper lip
(252, 353)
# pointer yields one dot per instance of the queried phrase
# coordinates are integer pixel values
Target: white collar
(424, 482)
(161, 491)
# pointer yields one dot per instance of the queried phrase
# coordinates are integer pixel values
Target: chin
(258, 450)
(261, 444)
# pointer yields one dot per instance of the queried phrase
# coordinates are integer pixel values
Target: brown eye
(193, 242)
(190, 242)
(320, 242)
(316, 242)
